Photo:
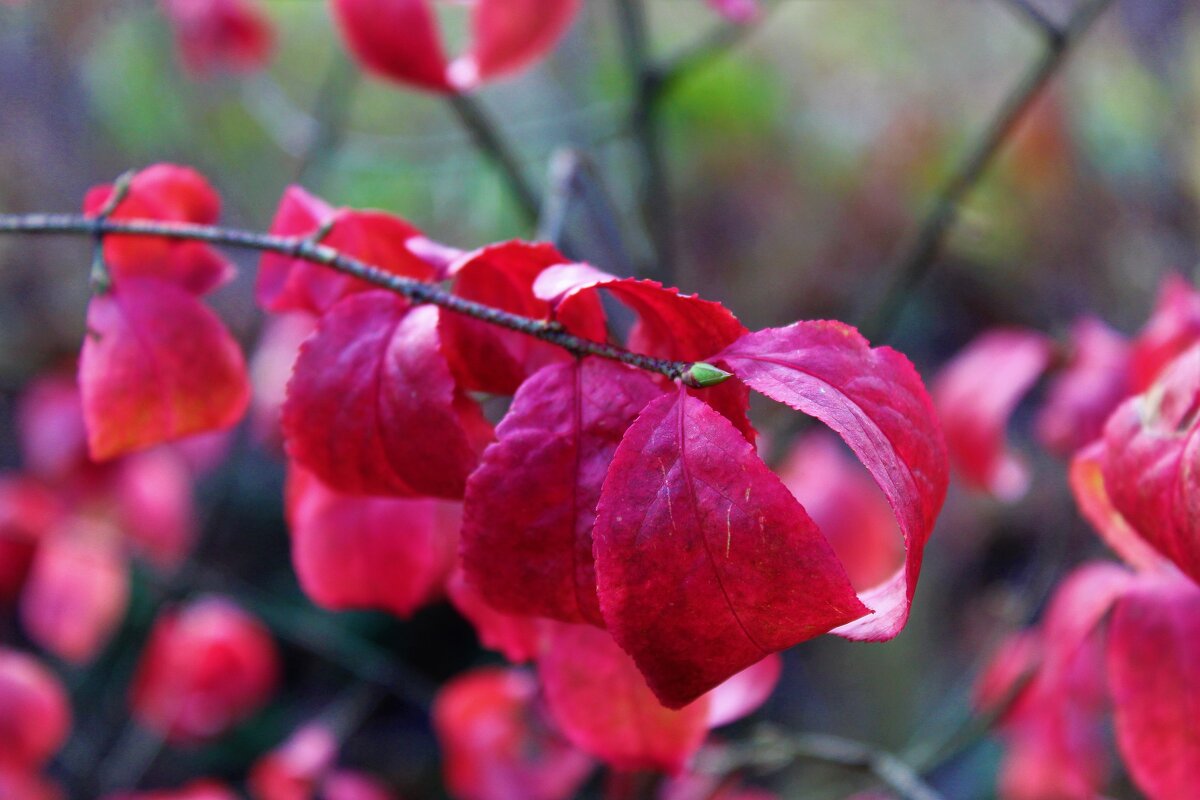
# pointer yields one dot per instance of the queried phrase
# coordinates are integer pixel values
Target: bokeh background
(801, 160)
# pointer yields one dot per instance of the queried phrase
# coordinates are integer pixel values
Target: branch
(487, 138)
(306, 249)
(917, 259)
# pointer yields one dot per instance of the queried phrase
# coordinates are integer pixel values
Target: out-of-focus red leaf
(293, 770)
(206, 667)
(531, 505)
(357, 552)
(20, 784)
(220, 35)
(156, 366)
(395, 39)
(669, 325)
(1081, 397)
(745, 692)
(77, 591)
(374, 237)
(497, 744)
(1173, 327)
(344, 784)
(1150, 463)
(271, 368)
(516, 636)
(35, 715)
(976, 394)
(1003, 685)
(1087, 484)
(51, 430)
(483, 357)
(847, 506)
(705, 563)
(203, 789)
(372, 407)
(602, 703)
(874, 400)
(1055, 729)
(507, 35)
(1154, 671)
(166, 193)
(153, 491)
(28, 512)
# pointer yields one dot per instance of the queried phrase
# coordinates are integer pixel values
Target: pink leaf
(602, 703)
(293, 770)
(508, 35)
(369, 552)
(1154, 671)
(705, 563)
(873, 399)
(220, 35)
(1087, 484)
(156, 366)
(166, 193)
(153, 494)
(77, 592)
(531, 505)
(739, 11)
(745, 692)
(1152, 449)
(976, 393)
(1080, 398)
(496, 743)
(372, 407)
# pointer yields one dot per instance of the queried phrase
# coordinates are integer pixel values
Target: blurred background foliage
(801, 161)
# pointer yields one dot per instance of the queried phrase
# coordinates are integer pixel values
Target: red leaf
(51, 429)
(1087, 484)
(976, 393)
(1154, 671)
(35, 715)
(271, 368)
(156, 366)
(517, 637)
(1173, 327)
(27, 513)
(496, 744)
(485, 358)
(206, 667)
(705, 563)
(293, 770)
(153, 493)
(847, 506)
(167, 193)
(873, 399)
(77, 592)
(1081, 397)
(669, 325)
(372, 407)
(376, 238)
(531, 504)
(602, 703)
(220, 35)
(203, 789)
(508, 35)
(396, 39)
(354, 552)
(343, 784)
(1152, 450)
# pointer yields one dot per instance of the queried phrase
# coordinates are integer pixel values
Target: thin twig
(1033, 15)
(574, 176)
(331, 112)
(306, 249)
(916, 260)
(487, 138)
(644, 120)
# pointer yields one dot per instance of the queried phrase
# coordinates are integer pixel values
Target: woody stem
(306, 249)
